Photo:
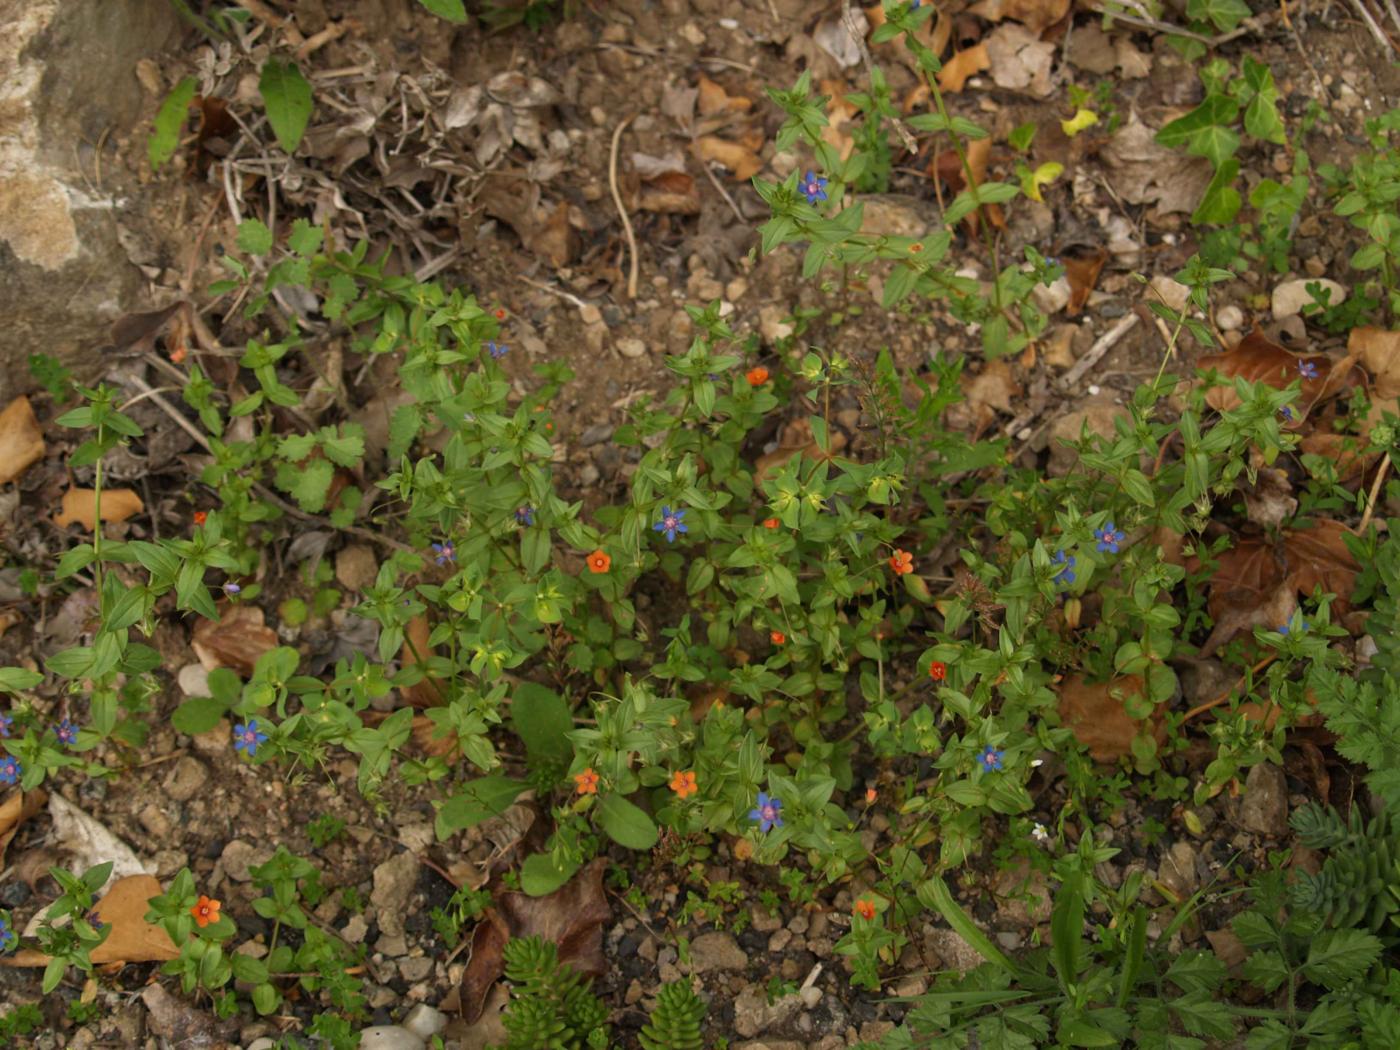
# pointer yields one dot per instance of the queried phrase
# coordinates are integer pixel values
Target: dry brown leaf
(426, 692)
(1378, 350)
(1259, 360)
(131, 939)
(1269, 501)
(670, 193)
(1082, 269)
(1096, 713)
(17, 807)
(743, 162)
(1144, 172)
(554, 237)
(1318, 557)
(21, 440)
(1037, 15)
(948, 168)
(1020, 61)
(839, 113)
(235, 641)
(1344, 450)
(963, 65)
(713, 99)
(571, 917)
(80, 507)
(796, 437)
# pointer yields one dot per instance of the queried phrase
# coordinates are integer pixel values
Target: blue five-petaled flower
(10, 770)
(6, 722)
(524, 515)
(497, 350)
(671, 523)
(1285, 630)
(247, 737)
(1286, 413)
(66, 732)
(7, 936)
(1307, 369)
(813, 187)
(1109, 538)
(768, 812)
(990, 758)
(444, 552)
(1065, 576)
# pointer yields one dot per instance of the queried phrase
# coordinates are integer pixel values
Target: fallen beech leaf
(17, 807)
(1318, 557)
(1269, 501)
(21, 440)
(132, 939)
(235, 641)
(571, 917)
(1020, 60)
(1036, 15)
(1379, 351)
(80, 506)
(713, 99)
(948, 168)
(1344, 450)
(1145, 172)
(1261, 361)
(670, 193)
(1082, 269)
(961, 66)
(1096, 713)
(743, 162)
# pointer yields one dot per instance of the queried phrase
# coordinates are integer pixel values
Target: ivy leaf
(1221, 201)
(1205, 131)
(165, 139)
(627, 824)
(452, 10)
(1225, 15)
(287, 99)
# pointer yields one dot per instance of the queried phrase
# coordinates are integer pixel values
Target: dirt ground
(484, 158)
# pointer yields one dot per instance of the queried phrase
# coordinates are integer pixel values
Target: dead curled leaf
(1269, 501)
(1259, 360)
(81, 506)
(1036, 15)
(17, 807)
(571, 917)
(1097, 714)
(21, 440)
(235, 641)
(1379, 353)
(962, 66)
(741, 161)
(131, 939)
(1082, 269)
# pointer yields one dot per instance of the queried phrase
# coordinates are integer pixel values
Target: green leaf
(1204, 131)
(1225, 15)
(287, 98)
(305, 239)
(198, 715)
(1067, 928)
(626, 824)
(934, 894)
(309, 483)
(170, 121)
(479, 800)
(1338, 956)
(539, 877)
(254, 237)
(1221, 201)
(13, 679)
(452, 10)
(542, 720)
(404, 425)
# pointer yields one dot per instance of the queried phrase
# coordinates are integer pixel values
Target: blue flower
(444, 552)
(232, 589)
(10, 770)
(1286, 413)
(7, 936)
(1285, 630)
(1065, 576)
(1109, 538)
(497, 350)
(524, 515)
(768, 812)
(1307, 369)
(990, 758)
(6, 721)
(247, 737)
(813, 187)
(671, 523)
(66, 732)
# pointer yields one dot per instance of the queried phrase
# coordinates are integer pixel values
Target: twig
(1148, 22)
(1373, 25)
(1375, 492)
(849, 18)
(714, 181)
(333, 31)
(621, 209)
(1201, 709)
(568, 297)
(1105, 343)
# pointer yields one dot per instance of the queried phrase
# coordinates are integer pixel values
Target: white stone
(1229, 318)
(1290, 297)
(425, 1022)
(1173, 293)
(390, 1037)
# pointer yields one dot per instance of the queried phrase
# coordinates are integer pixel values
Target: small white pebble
(1025, 434)
(728, 23)
(1094, 389)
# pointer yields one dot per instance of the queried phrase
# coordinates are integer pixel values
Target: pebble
(1264, 810)
(1177, 872)
(771, 324)
(215, 741)
(1290, 297)
(185, 778)
(354, 930)
(1229, 318)
(356, 567)
(955, 952)
(590, 314)
(1173, 293)
(415, 969)
(238, 856)
(764, 921)
(424, 1021)
(156, 823)
(394, 881)
(389, 1037)
(193, 680)
(631, 347)
(779, 941)
(717, 951)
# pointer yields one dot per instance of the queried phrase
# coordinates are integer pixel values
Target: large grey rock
(70, 82)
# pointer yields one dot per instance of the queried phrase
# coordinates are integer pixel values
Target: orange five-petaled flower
(200, 517)
(757, 376)
(771, 523)
(599, 561)
(587, 782)
(777, 637)
(865, 908)
(871, 795)
(205, 911)
(938, 670)
(902, 562)
(683, 784)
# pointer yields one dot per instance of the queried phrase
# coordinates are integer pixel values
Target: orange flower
(870, 796)
(205, 911)
(915, 248)
(501, 313)
(200, 517)
(865, 908)
(587, 782)
(777, 637)
(683, 784)
(757, 376)
(599, 561)
(771, 523)
(178, 354)
(938, 670)
(902, 562)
